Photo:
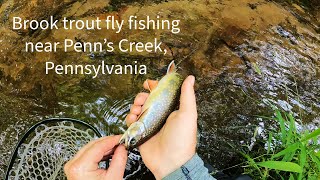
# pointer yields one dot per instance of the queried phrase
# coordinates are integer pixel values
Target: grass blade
(303, 156)
(251, 162)
(292, 123)
(292, 129)
(315, 159)
(302, 159)
(317, 154)
(282, 166)
(311, 135)
(282, 126)
(289, 149)
(288, 157)
(291, 177)
(269, 142)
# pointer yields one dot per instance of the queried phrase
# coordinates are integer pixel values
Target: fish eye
(133, 141)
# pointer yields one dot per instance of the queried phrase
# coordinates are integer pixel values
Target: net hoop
(33, 128)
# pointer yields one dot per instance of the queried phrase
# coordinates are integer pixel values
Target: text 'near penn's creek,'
(124, 45)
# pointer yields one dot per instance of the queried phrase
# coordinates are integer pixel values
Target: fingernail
(192, 80)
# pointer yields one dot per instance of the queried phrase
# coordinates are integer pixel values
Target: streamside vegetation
(290, 152)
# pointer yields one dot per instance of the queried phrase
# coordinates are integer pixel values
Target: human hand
(84, 164)
(175, 143)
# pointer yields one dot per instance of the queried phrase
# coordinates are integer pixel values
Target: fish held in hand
(161, 102)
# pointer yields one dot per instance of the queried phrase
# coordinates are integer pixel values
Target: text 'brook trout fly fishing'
(158, 106)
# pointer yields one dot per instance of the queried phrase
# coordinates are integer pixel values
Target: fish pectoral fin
(172, 67)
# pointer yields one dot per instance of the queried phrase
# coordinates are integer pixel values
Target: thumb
(187, 98)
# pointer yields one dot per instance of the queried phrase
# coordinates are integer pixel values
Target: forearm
(191, 170)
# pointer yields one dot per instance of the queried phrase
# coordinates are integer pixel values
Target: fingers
(118, 163)
(136, 108)
(85, 163)
(87, 146)
(131, 118)
(140, 99)
(187, 98)
(93, 154)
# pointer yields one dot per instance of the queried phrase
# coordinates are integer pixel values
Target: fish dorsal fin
(150, 84)
(171, 68)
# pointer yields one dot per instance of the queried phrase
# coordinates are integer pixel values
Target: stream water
(279, 67)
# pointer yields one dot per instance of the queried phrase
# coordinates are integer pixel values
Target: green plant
(289, 154)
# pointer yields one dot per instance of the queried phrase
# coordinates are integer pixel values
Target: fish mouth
(125, 140)
(122, 139)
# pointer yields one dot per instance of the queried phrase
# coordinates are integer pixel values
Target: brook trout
(160, 103)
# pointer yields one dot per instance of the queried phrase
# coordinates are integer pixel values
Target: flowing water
(240, 74)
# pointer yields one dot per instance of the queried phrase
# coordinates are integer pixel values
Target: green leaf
(303, 155)
(269, 142)
(302, 159)
(282, 166)
(292, 129)
(288, 157)
(292, 121)
(251, 162)
(282, 126)
(289, 149)
(315, 159)
(318, 154)
(312, 177)
(311, 135)
(291, 177)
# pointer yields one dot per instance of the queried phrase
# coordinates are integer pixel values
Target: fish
(161, 102)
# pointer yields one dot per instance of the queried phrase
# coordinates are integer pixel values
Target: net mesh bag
(47, 148)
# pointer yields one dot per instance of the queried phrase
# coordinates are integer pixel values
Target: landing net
(47, 146)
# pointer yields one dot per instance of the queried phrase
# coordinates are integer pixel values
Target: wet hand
(175, 143)
(84, 165)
